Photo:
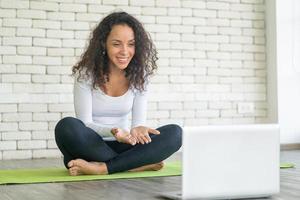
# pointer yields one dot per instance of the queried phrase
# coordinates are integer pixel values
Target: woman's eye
(116, 44)
(131, 44)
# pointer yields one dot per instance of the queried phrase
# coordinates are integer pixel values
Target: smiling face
(120, 46)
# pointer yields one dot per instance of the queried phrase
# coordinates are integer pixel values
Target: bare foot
(151, 167)
(80, 166)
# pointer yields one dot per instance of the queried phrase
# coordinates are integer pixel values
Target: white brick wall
(212, 57)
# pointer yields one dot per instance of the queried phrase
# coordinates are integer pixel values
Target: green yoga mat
(51, 175)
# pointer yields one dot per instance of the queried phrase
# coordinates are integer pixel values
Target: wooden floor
(140, 189)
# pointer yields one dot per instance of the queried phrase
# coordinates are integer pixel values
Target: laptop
(229, 162)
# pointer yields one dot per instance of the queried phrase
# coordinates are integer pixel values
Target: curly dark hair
(94, 61)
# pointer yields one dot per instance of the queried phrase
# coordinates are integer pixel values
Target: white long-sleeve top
(101, 112)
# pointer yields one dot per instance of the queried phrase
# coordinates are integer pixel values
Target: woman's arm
(83, 107)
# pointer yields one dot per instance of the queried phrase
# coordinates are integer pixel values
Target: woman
(110, 82)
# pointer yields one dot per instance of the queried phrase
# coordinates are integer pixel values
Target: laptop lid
(230, 161)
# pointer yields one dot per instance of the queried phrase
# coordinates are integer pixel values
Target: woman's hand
(123, 136)
(141, 134)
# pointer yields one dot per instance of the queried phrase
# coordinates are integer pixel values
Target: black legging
(75, 140)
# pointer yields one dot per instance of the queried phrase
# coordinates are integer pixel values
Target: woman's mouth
(122, 59)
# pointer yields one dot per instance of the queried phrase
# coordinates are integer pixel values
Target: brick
(31, 51)
(193, 54)
(46, 60)
(42, 135)
(72, 7)
(242, 56)
(94, 8)
(168, 20)
(217, 5)
(16, 78)
(154, 11)
(8, 68)
(196, 105)
(230, 64)
(46, 153)
(182, 114)
(61, 107)
(6, 108)
(20, 135)
(59, 70)
(241, 7)
(219, 105)
(31, 69)
(207, 46)
(167, 36)
(169, 70)
(181, 29)
(229, 14)
(230, 47)
(16, 22)
(7, 13)
(28, 88)
(230, 31)
(17, 41)
(254, 48)
(192, 37)
(193, 21)
(241, 23)
(49, 6)
(46, 42)
(45, 78)
(33, 32)
(205, 13)
(89, 17)
(69, 60)
(181, 61)
(32, 107)
(60, 52)
(145, 19)
(74, 43)
(8, 126)
(60, 34)
(143, 3)
(19, 154)
(7, 31)
(31, 14)
(115, 2)
(206, 29)
(193, 4)
(208, 113)
(158, 114)
(167, 3)
(66, 25)
(5, 88)
(7, 50)
(46, 117)
(31, 144)
(217, 22)
(181, 79)
(194, 71)
(169, 53)
(196, 122)
(17, 60)
(66, 79)
(46, 24)
(170, 105)
(218, 55)
(253, 15)
(180, 11)
(14, 4)
(8, 145)
(162, 45)
(58, 88)
(206, 63)
(241, 39)
(65, 16)
(219, 72)
(28, 126)
(157, 28)
(16, 117)
(253, 32)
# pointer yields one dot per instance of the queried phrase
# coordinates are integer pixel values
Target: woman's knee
(64, 126)
(174, 132)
